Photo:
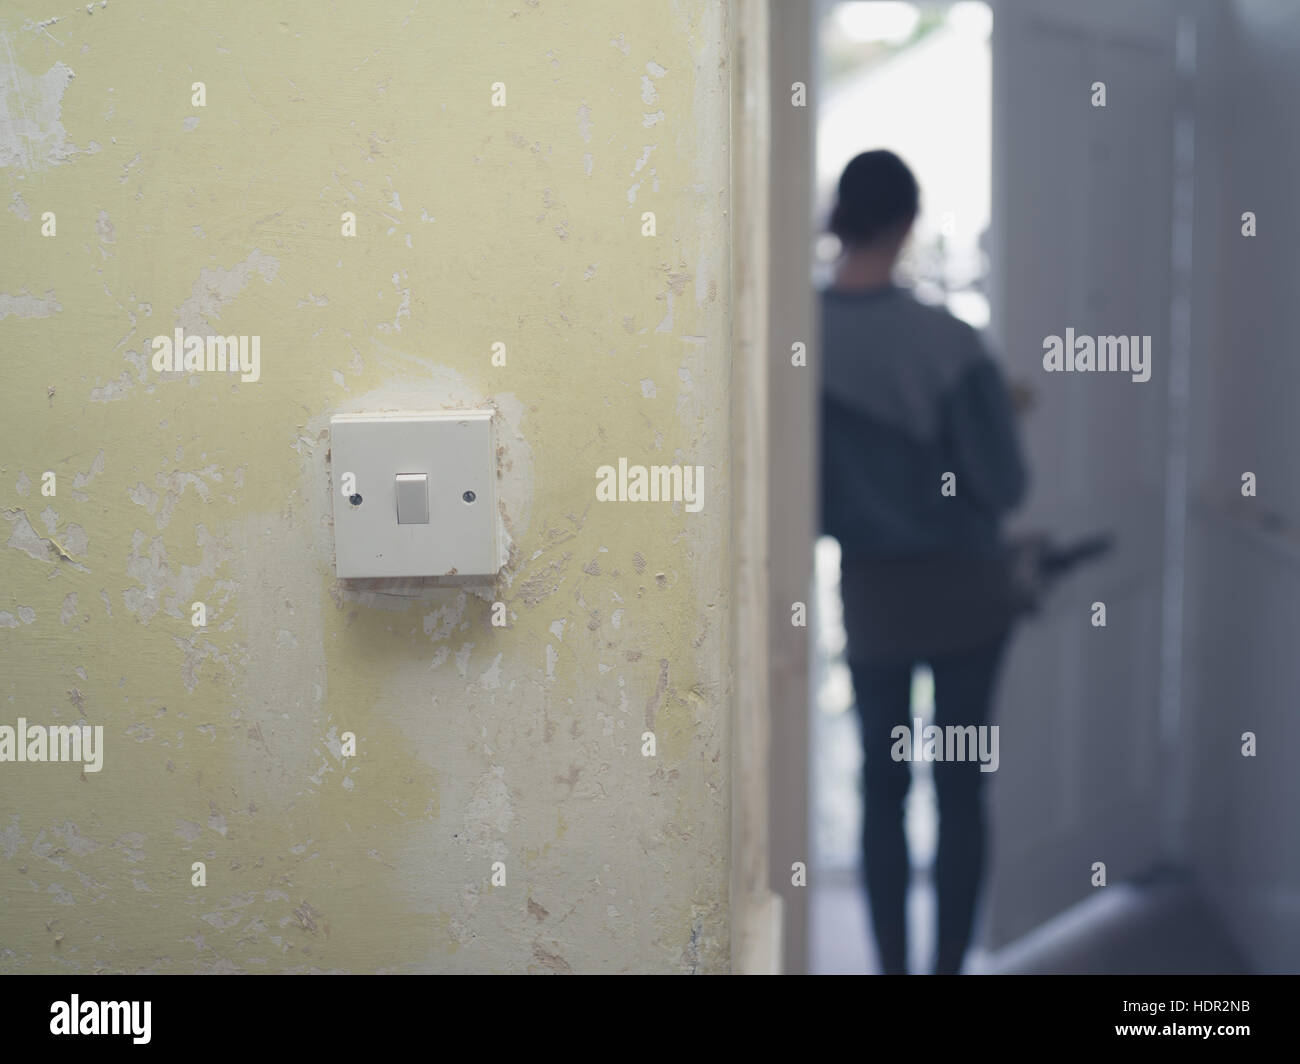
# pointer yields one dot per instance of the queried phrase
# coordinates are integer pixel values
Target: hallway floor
(1162, 929)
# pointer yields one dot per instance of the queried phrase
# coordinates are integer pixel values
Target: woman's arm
(982, 431)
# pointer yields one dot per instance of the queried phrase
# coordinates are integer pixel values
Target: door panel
(1081, 238)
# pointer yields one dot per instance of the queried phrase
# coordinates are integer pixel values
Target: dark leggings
(963, 685)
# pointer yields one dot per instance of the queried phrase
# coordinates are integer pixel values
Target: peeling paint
(32, 136)
(26, 305)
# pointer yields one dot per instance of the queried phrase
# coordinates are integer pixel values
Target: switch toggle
(415, 493)
(412, 499)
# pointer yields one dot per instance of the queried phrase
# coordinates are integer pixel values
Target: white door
(1082, 239)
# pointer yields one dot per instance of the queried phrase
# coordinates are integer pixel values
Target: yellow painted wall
(476, 224)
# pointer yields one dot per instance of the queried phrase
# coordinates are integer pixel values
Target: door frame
(773, 436)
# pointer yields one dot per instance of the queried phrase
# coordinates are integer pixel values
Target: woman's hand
(1023, 396)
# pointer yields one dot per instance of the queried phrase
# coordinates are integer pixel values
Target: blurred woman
(920, 461)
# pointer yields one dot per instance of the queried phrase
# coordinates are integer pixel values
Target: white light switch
(414, 494)
(412, 499)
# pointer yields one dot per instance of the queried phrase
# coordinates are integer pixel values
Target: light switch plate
(455, 450)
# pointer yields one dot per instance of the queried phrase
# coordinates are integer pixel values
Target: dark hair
(877, 194)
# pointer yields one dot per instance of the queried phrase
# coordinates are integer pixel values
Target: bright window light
(971, 18)
(890, 21)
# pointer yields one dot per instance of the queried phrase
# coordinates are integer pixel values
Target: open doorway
(1045, 211)
(914, 78)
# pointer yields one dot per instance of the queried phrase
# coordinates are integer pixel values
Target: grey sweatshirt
(909, 394)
